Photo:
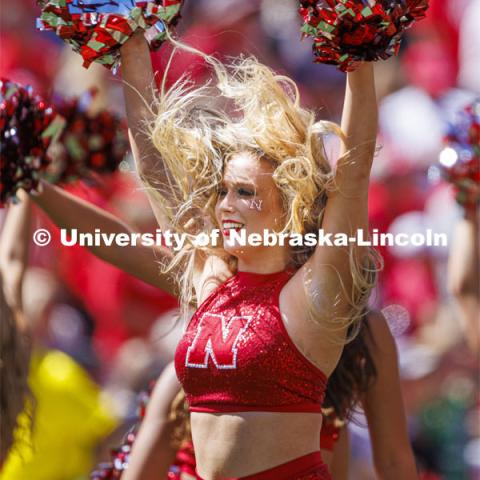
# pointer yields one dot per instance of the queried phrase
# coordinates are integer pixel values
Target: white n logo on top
(216, 338)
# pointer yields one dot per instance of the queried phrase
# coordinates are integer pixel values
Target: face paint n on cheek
(255, 205)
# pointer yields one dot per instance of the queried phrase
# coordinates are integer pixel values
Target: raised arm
(14, 250)
(333, 275)
(68, 211)
(347, 206)
(15, 333)
(384, 408)
(139, 92)
(359, 124)
(464, 275)
(329, 270)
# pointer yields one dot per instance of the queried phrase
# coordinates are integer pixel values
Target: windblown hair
(180, 416)
(15, 394)
(245, 107)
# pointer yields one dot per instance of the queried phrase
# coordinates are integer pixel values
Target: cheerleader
(271, 321)
(366, 375)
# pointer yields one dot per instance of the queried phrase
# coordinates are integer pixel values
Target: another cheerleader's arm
(69, 212)
(464, 274)
(384, 408)
(153, 452)
(14, 253)
(139, 91)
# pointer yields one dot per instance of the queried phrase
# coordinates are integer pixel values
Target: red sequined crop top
(236, 354)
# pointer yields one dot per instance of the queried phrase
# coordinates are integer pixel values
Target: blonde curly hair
(244, 107)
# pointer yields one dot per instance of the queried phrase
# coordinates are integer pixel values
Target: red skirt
(308, 467)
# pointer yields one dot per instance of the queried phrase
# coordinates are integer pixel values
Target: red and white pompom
(348, 32)
(98, 28)
(90, 143)
(460, 159)
(27, 126)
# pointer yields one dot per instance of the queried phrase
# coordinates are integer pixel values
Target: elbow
(358, 157)
(8, 257)
(399, 466)
(11, 286)
(462, 287)
(352, 180)
(12, 268)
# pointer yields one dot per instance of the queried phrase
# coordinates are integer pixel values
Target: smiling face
(249, 199)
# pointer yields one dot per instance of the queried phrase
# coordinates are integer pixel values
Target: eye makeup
(241, 189)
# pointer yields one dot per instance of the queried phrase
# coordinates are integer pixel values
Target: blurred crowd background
(101, 336)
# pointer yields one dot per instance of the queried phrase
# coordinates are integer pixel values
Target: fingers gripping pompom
(27, 126)
(98, 28)
(460, 159)
(89, 143)
(347, 32)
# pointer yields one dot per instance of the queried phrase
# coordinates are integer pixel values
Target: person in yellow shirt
(70, 414)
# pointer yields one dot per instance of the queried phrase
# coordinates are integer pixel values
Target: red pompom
(27, 127)
(98, 28)
(460, 159)
(89, 143)
(347, 32)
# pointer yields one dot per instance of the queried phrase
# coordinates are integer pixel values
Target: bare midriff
(239, 444)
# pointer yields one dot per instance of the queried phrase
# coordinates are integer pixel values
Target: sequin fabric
(237, 356)
(184, 465)
(308, 467)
